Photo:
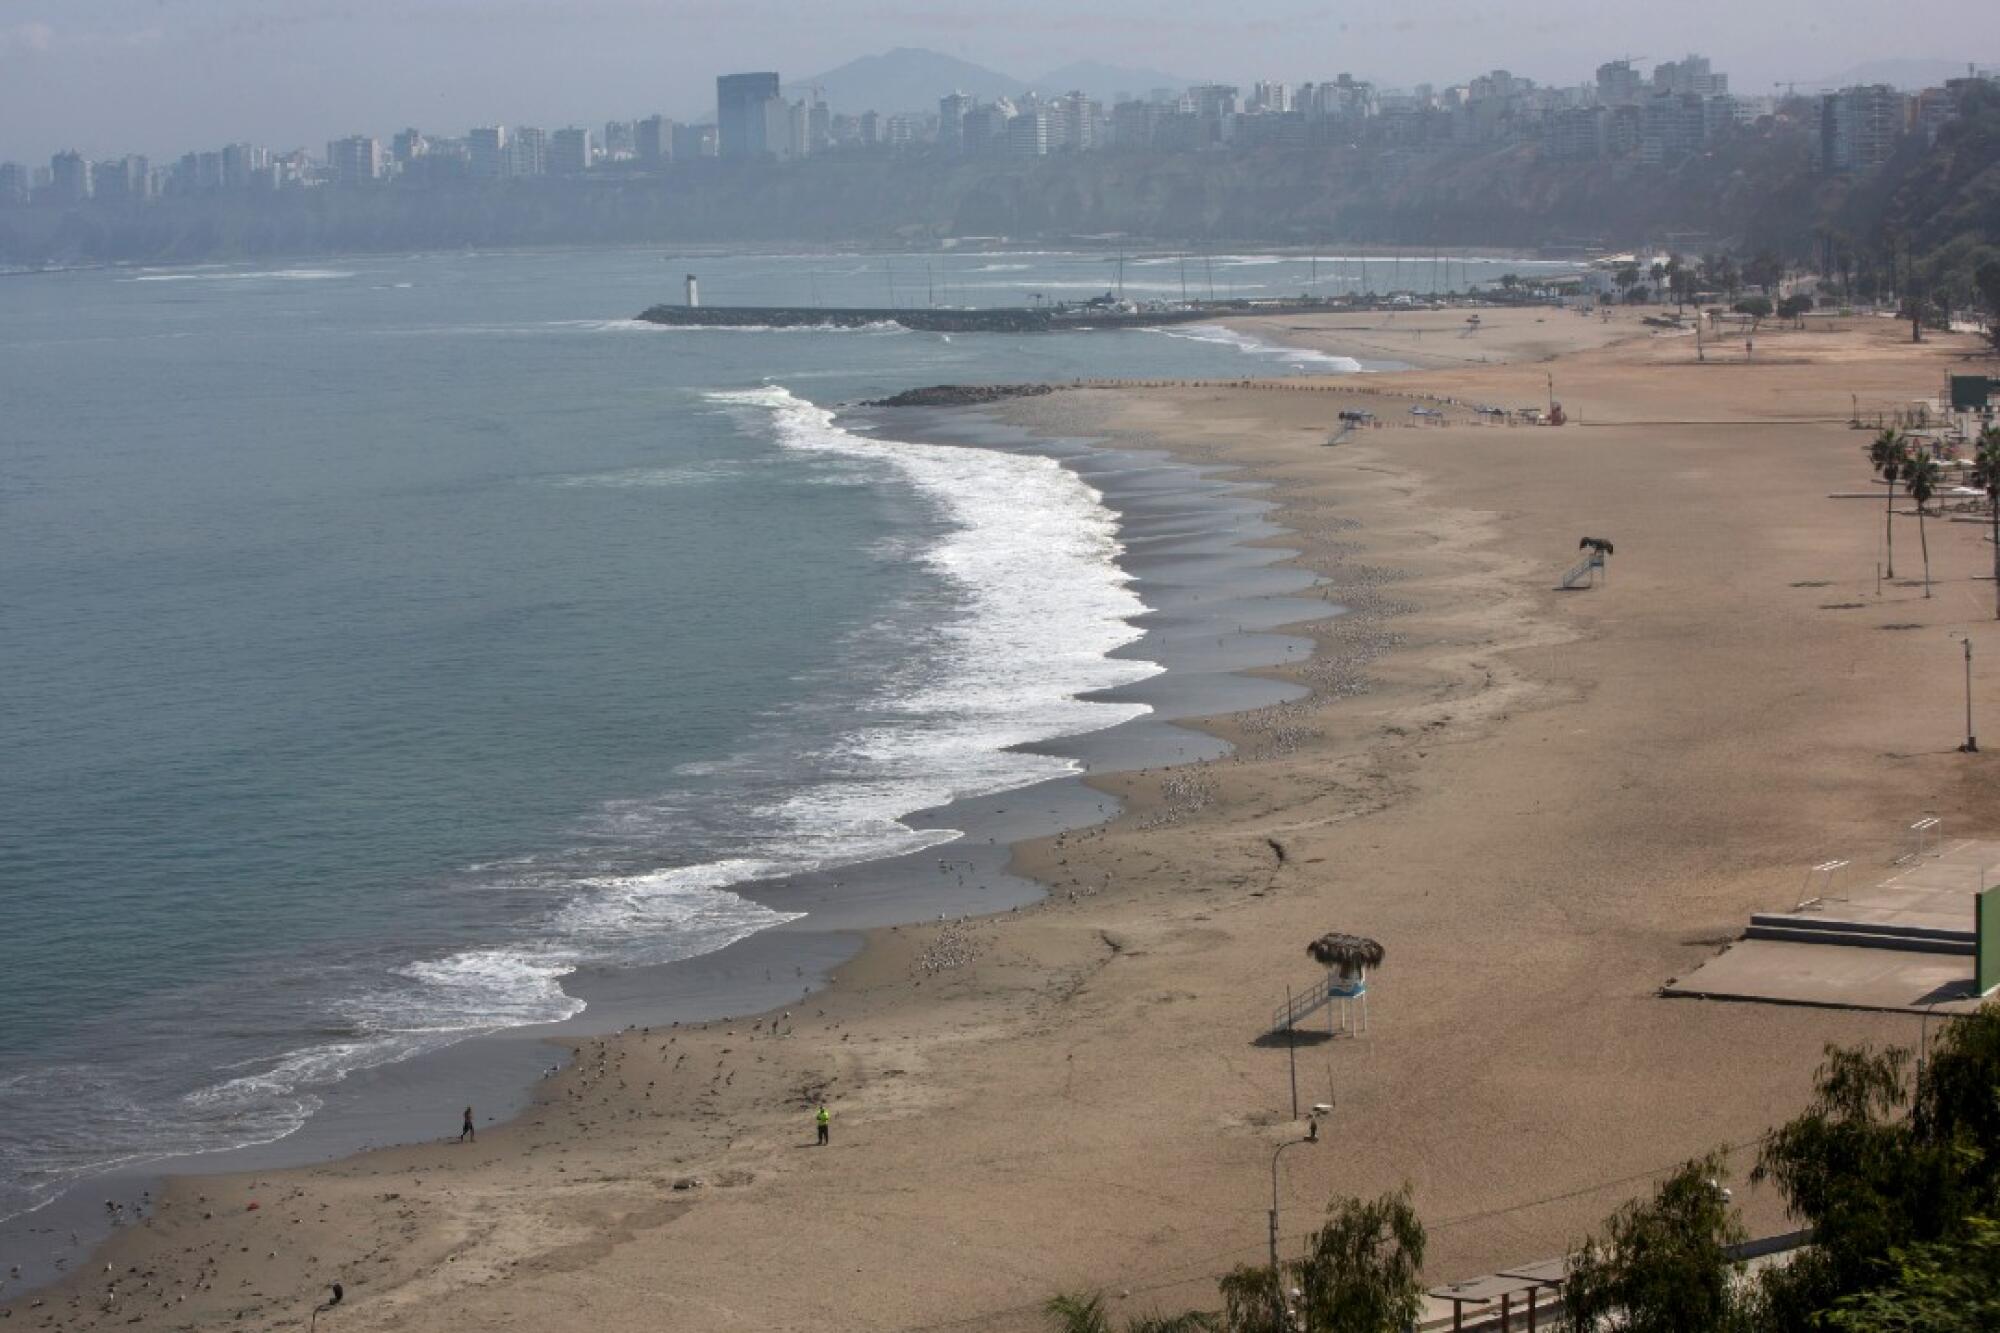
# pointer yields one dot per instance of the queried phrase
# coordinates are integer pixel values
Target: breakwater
(996, 319)
(960, 395)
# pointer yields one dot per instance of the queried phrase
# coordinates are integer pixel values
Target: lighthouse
(694, 292)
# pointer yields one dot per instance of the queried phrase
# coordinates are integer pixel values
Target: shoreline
(394, 1105)
(1544, 804)
(1221, 723)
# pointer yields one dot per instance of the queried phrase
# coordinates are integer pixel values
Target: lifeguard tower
(1591, 569)
(1343, 992)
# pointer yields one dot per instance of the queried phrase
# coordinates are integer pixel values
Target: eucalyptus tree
(1362, 1272)
(1664, 1264)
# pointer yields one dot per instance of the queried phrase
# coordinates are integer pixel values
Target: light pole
(1292, 1050)
(1312, 1136)
(1971, 745)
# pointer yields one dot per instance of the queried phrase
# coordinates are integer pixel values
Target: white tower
(694, 292)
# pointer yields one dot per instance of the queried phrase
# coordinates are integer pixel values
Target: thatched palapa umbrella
(1349, 953)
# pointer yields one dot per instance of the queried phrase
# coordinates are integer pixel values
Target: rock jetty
(961, 395)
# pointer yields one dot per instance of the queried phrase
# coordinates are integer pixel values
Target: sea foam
(1303, 357)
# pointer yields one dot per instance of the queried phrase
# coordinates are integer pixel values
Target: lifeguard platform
(1910, 940)
(1343, 993)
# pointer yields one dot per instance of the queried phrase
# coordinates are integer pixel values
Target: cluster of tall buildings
(755, 122)
(492, 152)
(1859, 128)
(1681, 107)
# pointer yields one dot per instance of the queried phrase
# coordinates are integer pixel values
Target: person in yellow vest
(822, 1120)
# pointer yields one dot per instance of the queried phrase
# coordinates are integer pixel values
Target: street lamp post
(1312, 1136)
(1971, 745)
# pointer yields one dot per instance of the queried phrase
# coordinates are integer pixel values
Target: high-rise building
(951, 121)
(123, 180)
(1617, 83)
(569, 152)
(1859, 127)
(983, 129)
(1028, 133)
(69, 177)
(1691, 75)
(798, 131)
(440, 159)
(618, 139)
(14, 187)
(528, 152)
(1133, 123)
(1081, 126)
(1214, 101)
(408, 146)
(1574, 134)
(355, 160)
(778, 127)
(694, 141)
(653, 140)
(747, 109)
(240, 161)
(487, 146)
(1270, 97)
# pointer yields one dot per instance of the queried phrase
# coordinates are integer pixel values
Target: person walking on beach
(823, 1120)
(466, 1131)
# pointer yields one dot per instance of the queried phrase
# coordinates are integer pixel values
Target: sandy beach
(1544, 804)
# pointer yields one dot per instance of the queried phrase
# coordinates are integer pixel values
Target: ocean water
(383, 640)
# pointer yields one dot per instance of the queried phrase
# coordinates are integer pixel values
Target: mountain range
(912, 79)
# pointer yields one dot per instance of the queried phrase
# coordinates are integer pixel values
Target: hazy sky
(163, 76)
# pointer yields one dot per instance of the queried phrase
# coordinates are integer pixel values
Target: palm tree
(1920, 479)
(1889, 453)
(1077, 1314)
(1190, 1321)
(1986, 472)
(1680, 277)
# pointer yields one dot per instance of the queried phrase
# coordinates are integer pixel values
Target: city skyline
(232, 72)
(758, 116)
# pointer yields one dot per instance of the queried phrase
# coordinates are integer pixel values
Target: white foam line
(1296, 356)
(1032, 552)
